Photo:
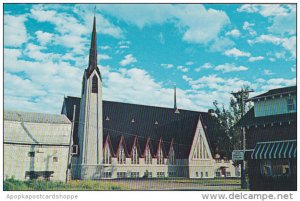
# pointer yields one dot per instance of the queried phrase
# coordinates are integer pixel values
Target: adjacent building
(271, 135)
(35, 145)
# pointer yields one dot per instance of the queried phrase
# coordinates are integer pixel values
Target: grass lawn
(125, 184)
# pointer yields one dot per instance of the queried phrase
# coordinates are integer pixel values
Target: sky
(206, 50)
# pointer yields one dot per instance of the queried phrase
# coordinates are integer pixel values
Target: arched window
(148, 157)
(135, 156)
(172, 156)
(160, 156)
(121, 155)
(107, 156)
(95, 84)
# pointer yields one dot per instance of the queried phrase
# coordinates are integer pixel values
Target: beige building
(36, 145)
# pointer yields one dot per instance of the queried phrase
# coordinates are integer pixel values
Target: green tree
(229, 137)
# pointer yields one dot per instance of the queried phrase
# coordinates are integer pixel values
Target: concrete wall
(270, 106)
(17, 160)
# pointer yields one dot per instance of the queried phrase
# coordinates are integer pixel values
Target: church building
(122, 140)
(94, 138)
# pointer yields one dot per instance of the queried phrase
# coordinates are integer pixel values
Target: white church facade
(114, 140)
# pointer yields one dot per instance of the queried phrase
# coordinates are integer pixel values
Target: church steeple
(176, 111)
(93, 49)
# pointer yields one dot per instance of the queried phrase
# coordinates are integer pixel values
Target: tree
(229, 137)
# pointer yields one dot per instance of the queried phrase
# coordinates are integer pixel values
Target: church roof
(144, 122)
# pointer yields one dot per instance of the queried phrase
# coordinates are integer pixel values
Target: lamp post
(241, 97)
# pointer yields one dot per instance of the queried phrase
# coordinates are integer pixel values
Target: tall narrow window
(160, 156)
(95, 84)
(107, 156)
(148, 158)
(291, 105)
(121, 156)
(135, 156)
(172, 157)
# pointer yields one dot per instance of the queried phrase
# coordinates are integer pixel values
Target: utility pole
(241, 97)
(69, 165)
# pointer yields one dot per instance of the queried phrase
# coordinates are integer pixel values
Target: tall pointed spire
(175, 102)
(93, 49)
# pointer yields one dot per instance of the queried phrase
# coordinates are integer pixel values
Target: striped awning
(275, 150)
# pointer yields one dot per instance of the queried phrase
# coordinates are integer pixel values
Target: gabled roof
(277, 92)
(24, 132)
(150, 122)
(35, 117)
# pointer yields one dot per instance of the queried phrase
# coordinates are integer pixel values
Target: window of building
(206, 174)
(135, 174)
(95, 84)
(107, 174)
(148, 157)
(55, 159)
(226, 161)
(121, 155)
(228, 174)
(218, 160)
(218, 174)
(172, 157)
(291, 105)
(135, 156)
(31, 154)
(121, 174)
(201, 174)
(107, 156)
(172, 174)
(197, 175)
(160, 174)
(160, 156)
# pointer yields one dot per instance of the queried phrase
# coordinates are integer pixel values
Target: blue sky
(207, 50)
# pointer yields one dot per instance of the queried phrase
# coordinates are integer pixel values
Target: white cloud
(167, 65)
(205, 66)
(183, 69)
(258, 58)
(277, 83)
(248, 27)
(221, 44)
(265, 10)
(268, 72)
(189, 63)
(200, 25)
(226, 68)
(237, 53)
(44, 37)
(105, 47)
(287, 43)
(293, 69)
(15, 33)
(123, 46)
(104, 57)
(128, 59)
(234, 33)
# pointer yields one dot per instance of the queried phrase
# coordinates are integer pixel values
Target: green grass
(36, 185)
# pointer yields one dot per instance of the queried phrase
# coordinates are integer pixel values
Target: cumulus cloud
(258, 58)
(128, 59)
(287, 43)
(227, 67)
(248, 27)
(43, 37)
(15, 33)
(234, 33)
(200, 25)
(182, 69)
(236, 53)
(167, 65)
(268, 72)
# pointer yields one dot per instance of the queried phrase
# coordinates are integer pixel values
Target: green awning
(275, 150)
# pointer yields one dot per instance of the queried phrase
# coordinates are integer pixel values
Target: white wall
(17, 160)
